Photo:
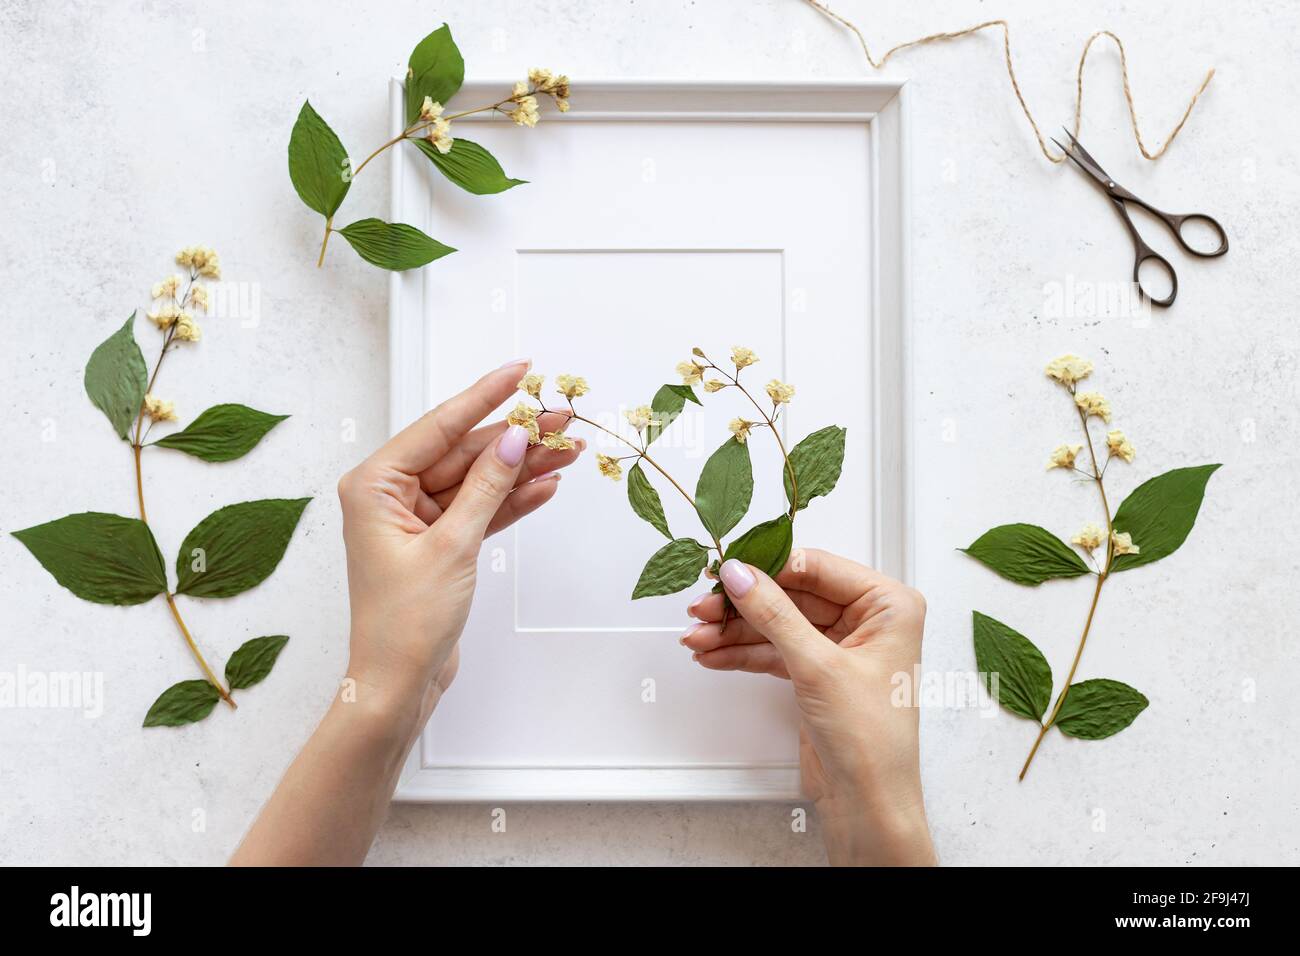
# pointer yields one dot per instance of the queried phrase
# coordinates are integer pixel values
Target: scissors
(1142, 252)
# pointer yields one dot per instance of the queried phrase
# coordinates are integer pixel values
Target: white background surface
(124, 143)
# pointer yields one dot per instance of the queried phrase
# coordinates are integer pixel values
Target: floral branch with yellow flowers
(1150, 524)
(725, 486)
(111, 559)
(322, 173)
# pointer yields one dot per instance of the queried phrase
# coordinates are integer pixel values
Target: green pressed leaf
(469, 166)
(1026, 554)
(667, 405)
(686, 392)
(644, 500)
(116, 378)
(1159, 514)
(253, 661)
(817, 461)
(236, 547)
(725, 487)
(1096, 709)
(674, 567)
(766, 546)
(99, 557)
(222, 433)
(436, 70)
(1024, 677)
(393, 245)
(182, 703)
(318, 163)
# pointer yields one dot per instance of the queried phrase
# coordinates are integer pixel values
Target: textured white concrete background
(134, 128)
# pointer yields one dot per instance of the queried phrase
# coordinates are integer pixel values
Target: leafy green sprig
(322, 173)
(725, 487)
(1150, 524)
(112, 559)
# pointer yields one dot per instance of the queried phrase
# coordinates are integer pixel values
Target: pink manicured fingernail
(512, 445)
(736, 577)
(688, 632)
(522, 361)
(547, 477)
(694, 605)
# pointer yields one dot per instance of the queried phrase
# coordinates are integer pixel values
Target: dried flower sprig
(725, 486)
(110, 559)
(1150, 524)
(322, 173)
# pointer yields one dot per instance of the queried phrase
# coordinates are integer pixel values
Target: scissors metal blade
(1085, 161)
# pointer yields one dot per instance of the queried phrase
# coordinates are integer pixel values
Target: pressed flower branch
(110, 559)
(322, 173)
(1150, 524)
(725, 486)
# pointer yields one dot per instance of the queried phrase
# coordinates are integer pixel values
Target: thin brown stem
(1069, 678)
(207, 671)
(136, 449)
(420, 125)
(641, 453)
(329, 227)
(1102, 574)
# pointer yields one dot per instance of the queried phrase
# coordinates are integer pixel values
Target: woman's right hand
(840, 632)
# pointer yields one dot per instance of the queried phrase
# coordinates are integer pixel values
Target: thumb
(769, 610)
(486, 484)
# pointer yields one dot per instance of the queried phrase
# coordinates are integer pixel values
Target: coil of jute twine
(1015, 84)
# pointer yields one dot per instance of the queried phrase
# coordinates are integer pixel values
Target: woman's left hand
(415, 514)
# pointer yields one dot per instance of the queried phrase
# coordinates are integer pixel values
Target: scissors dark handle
(1175, 223)
(1144, 254)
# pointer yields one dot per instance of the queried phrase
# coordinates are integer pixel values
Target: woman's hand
(839, 632)
(415, 514)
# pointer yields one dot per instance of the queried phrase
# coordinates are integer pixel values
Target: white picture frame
(882, 107)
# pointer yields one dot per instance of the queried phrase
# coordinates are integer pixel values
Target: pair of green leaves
(1092, 710)
(722, 498)
(322, 174)
(109, 559)
(321, 171)
(678, 564)
(1158, 516)
(192, 700)
(115, 382)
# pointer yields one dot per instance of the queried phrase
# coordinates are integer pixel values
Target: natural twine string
(1015, 85)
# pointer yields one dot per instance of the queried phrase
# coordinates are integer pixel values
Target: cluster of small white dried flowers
(641, 417)
(779, 392)
(525, 112)
(1069, 370)
(170, 309)
(1122, 543)
(531, 384)
(740, 429)
(525, 416)
(159, 410)
(201, 260)
(1063, 456)
(1119, 446)
(743, 357)
(438, 130)
(609, 466)
(1093, 405)
(692, 372)
(571, 386)
(524, 95)
(1090, 537)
